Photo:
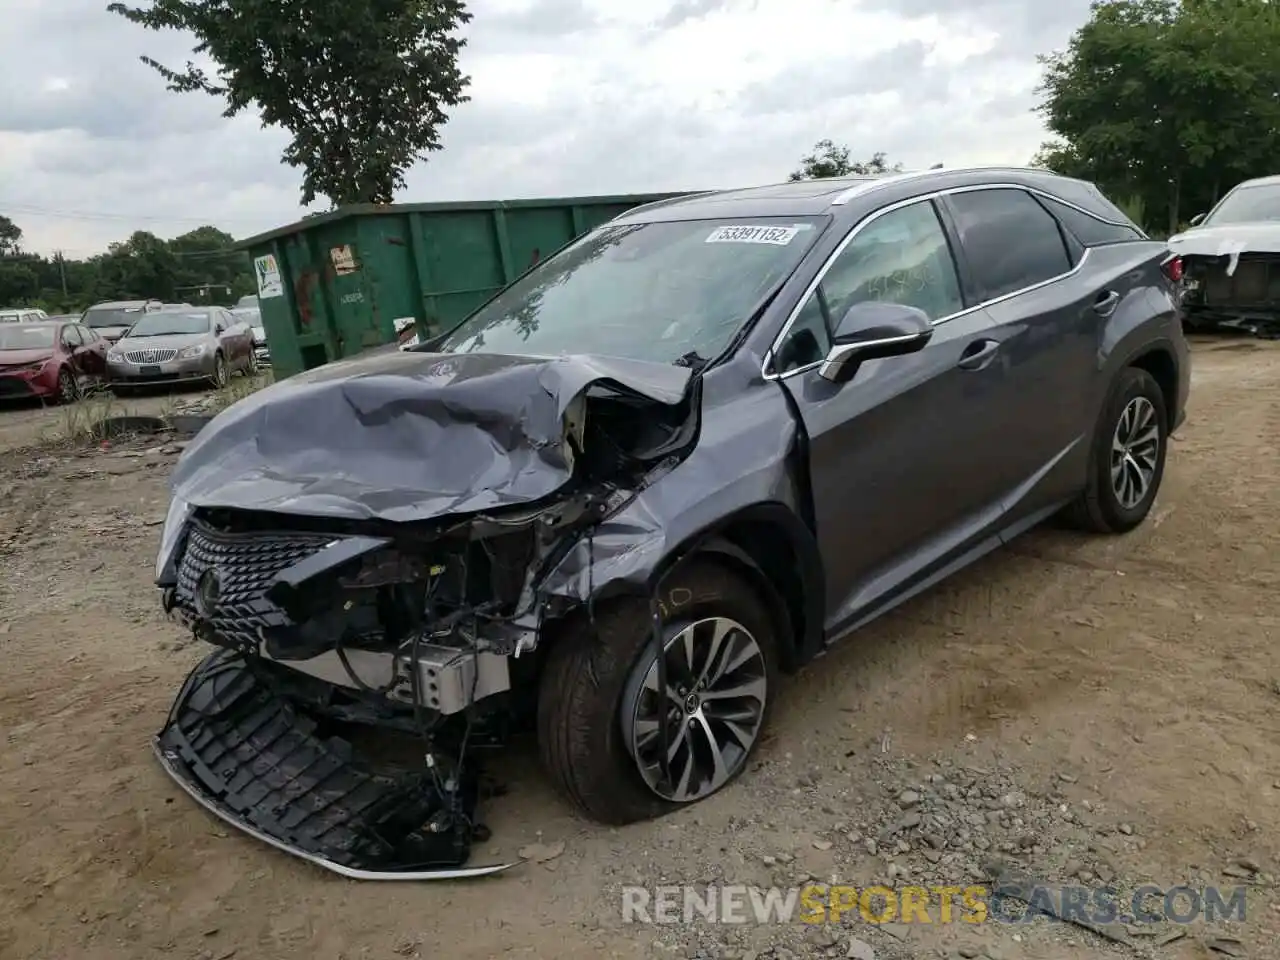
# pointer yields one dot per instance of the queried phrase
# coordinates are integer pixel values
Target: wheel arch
(1158, 360)
(769, 545)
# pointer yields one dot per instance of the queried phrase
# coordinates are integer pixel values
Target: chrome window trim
(875, 215)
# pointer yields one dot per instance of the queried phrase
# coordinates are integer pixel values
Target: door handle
(978, 354)
(1106, 303)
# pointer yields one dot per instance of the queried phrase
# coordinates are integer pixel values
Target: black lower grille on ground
(251, 756)
(246, 564)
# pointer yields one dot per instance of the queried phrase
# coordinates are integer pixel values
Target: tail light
(1173, 269)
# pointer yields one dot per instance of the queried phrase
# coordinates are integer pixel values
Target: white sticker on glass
(779, 236)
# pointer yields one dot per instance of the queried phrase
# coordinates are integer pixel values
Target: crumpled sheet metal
(1230, 240)
(406, 436)
(741, 461)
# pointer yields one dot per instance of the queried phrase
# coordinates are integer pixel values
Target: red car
(51, 359)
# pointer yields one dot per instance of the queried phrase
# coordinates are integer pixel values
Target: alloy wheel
(712, 710)
(1135, 449)
(219, 372)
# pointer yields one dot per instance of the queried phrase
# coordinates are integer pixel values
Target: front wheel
(219, 378)
(68, 386)
(1127, 462)
(604, 721)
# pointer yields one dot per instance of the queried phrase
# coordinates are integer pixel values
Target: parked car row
(58, 358)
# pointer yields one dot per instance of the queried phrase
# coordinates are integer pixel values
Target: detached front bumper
(170, 371)
(253, 758)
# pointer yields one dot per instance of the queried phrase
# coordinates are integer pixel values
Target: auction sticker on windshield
(779, 236)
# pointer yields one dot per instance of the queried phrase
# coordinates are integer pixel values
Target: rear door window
(1010, 241)
(1091, 231)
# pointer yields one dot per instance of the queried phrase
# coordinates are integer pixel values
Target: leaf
(363, 86)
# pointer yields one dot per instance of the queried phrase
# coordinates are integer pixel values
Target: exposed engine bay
(1240, 291)
(337, 602)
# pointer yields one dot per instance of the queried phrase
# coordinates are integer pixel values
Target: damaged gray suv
(681, 457)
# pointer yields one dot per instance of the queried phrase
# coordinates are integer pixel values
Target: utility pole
(62, 270)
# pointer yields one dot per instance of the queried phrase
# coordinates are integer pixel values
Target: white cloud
(567, 97)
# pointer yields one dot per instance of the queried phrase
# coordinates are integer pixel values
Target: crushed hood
(1229, 240)
(405, 436)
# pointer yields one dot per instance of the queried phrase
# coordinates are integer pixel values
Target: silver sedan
(182, 345)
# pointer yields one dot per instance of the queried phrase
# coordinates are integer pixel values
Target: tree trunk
(1175, 199)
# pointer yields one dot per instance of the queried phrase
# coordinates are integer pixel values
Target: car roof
(121, 303)
(1271, 181)
(46, 322)
(857, 196)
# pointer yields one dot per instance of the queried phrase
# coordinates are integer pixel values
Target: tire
(591, 689)
(251, 365)
(1100, 508)
(68, 386)
(219, 378)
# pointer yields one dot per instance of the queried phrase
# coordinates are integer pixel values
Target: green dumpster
(333, 285)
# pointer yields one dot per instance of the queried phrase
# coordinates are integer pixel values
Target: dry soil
(1096, 708)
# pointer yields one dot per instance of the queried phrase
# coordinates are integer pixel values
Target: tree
(142, 266)
(829, 159)
(1166, 102)
(362, 85)
(10, 237)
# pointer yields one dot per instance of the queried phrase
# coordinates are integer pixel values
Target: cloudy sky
(569, 97)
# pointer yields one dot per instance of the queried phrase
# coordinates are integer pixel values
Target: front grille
(246, 564)
(150, 356)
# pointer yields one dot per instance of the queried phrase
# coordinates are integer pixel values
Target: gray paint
(880, 486)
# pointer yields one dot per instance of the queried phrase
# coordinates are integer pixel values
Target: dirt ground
(1097, 708)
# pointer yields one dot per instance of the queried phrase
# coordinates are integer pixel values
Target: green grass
(81, 422)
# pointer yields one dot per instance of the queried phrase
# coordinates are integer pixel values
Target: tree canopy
(363, 86)
(197, 267)
(830, 159)
(1166, 103)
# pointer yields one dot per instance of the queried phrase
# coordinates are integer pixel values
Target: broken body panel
(404, 528)
(1231, 276)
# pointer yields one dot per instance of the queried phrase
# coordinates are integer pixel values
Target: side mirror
(1197, 219)
(872, 330)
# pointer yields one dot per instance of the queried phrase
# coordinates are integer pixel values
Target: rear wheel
(1127, 461)
(604, 721)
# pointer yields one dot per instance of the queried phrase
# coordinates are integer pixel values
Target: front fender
(744, 458)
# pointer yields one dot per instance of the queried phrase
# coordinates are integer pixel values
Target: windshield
(98, 317)
(1247, 205)
(654, 291)
(250, 315)
(164, 323)
(14, 337)
(247, 302)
